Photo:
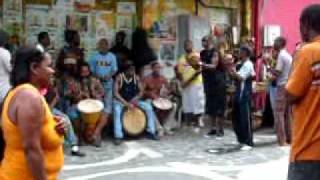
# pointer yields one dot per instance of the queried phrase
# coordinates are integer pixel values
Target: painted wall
(285, 13)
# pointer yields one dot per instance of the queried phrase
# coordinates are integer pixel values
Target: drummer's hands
(60, 126)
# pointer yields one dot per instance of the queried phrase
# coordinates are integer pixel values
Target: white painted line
(156, 169)
(134, 151)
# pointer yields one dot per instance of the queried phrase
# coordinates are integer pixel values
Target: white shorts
(193, 100)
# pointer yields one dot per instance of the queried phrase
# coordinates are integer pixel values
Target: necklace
(127, 80)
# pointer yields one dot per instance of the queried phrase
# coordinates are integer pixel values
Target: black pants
(242, 121)
(304, 170)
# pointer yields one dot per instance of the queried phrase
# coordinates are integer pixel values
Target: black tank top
(128, 88)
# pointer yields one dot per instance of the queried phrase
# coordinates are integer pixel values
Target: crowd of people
(39, 96)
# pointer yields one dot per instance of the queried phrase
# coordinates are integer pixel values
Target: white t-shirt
(284, 63)
(246, 71)
(5, 69)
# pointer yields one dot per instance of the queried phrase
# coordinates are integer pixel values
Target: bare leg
(101, 124)
(77, 125)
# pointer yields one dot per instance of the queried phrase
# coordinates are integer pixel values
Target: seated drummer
(70, 139)
(156, 86)
(128, 92)
(91, 87)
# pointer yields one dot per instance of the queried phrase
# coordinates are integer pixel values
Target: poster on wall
(160, 16)
(126, 7)
(104, 25)
(168, 52)
(42, 18)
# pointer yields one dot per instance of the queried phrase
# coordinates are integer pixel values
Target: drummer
(91, 87)
(128, 92)
(156, 86)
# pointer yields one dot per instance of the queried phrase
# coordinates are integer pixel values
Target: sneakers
(153, 137)
(117, 142)
(76, 152)
(211, 133)
(220, 133)
(246, 148)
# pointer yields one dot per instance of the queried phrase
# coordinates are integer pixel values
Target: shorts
(215, 105)
(304, 170)
(193, 100)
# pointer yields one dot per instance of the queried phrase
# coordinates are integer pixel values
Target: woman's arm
(29, 119)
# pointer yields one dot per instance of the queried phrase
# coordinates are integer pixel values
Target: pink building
(285, 13)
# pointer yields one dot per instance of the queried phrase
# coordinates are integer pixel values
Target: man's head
(103, 45)
(310, 22)
(120, 37)
(72, 37)
(156, 68)
(84, 70)
(207, 42)
(188, 46)
(279, 43)
(44, 39)
(129, 68)
(245, 53)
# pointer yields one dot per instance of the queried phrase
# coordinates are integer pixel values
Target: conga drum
(90, 110)
(162, 107)
(134, 121)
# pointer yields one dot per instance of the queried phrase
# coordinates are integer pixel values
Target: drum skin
(134, 121)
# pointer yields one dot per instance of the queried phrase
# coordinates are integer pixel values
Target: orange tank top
(14, 165)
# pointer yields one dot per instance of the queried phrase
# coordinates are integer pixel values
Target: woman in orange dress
(33, 137)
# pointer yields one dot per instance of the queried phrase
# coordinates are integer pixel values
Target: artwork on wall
(168, 52)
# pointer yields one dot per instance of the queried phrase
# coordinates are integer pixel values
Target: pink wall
(285, 13)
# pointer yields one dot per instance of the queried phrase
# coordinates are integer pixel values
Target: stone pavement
(183, 156)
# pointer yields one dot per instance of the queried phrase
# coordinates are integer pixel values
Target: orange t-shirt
(304, 82)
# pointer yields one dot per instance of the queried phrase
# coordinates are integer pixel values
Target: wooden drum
(90, 110)
(134, 121)
(162, 107)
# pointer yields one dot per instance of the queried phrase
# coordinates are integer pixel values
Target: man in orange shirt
(303, 89)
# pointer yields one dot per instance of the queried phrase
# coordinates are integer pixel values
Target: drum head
(162, 104)
(134, 121)
(90, 106)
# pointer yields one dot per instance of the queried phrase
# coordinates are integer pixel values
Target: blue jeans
(108, 97)
(117, 119)
(70, 138)
(273, 95)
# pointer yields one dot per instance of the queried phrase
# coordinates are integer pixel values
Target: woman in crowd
(33, 137)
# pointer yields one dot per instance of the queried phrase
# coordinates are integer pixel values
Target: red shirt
(153, 85)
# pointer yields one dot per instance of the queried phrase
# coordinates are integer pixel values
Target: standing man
(103, 65)
(191, 81)
(214, 82)
(120, 50)
(5, 66)
(282, 70)
(71, 51)
(303, 89)
(242, 120)
(43, 41)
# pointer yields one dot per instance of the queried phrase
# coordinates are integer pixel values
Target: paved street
(183, 156)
